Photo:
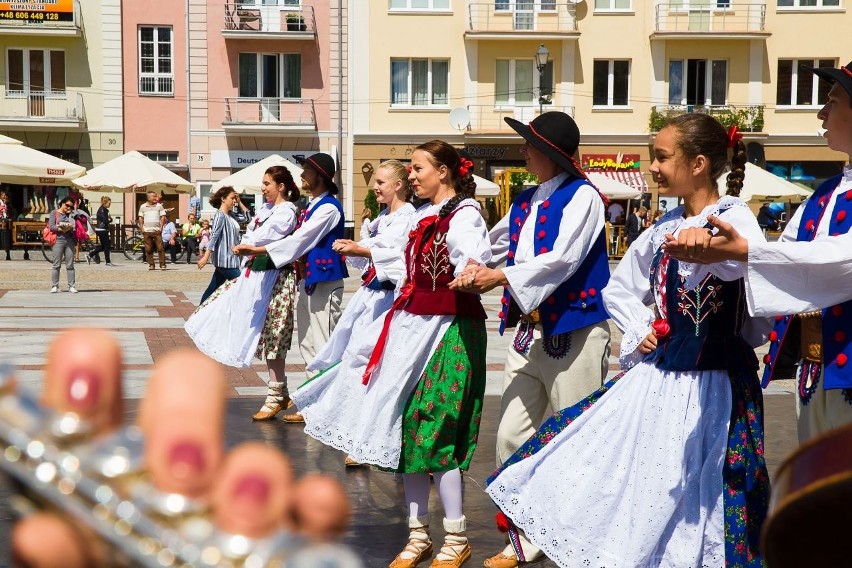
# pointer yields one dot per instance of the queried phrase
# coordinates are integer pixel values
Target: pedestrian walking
(103, 221)
(61, 223)
(224, 236)
(151, 219)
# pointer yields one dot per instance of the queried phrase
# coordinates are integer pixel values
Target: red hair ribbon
(409, 169)
(734, 136)
(465, 166)
(846, 70)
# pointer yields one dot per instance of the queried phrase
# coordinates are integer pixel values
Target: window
(419, 4)
(611, 83)
(517, 82)
(606, 5)
(156, 72)
(162, 157)
(270, 75)
(808, 4)
(797, 86)
(420, 82)
(524, 5)
(35, 71)
(698, 82)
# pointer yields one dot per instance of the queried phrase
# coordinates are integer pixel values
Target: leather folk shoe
(502, 561)
(419, 545)
(294, 418)
(275, 402)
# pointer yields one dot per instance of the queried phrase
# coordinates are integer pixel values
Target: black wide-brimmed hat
(842, 76)
(554, 134)
(323, 164)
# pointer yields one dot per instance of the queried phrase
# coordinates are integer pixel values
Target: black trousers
(103, 246)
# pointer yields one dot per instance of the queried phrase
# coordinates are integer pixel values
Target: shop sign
(242, 159)
(610, 161)
(38, 10)
(486, 152)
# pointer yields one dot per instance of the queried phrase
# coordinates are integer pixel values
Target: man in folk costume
(800, 279)
(554, 246)
(320, 271)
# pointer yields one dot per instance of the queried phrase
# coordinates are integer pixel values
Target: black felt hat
(323, 164)
(842, 76)
(554, 134)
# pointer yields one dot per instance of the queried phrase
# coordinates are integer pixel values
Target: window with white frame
(156, 69)
(611, 83)
(611, 5)
(517, 82)
(270, 75)
(702, 82)
(419, 4)
(35, 72)
(524, 5)
(162, 157)
(798, 86)
(809, 4)
(420, 82)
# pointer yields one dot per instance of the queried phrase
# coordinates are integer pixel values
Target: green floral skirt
(440, 426)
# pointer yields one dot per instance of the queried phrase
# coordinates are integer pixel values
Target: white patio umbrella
(249, 178)
(612, 188)
(485, 188)
(133, 172)
(23, 165)
(760, 185)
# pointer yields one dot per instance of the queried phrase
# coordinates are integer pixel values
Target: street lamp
(541, 56)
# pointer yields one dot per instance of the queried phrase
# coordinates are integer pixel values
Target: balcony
(745, 118)
(488, 119)
(56, 23)
(262, 114)
(522, 20)
(255, 21)
(722, 19)
(38, 109)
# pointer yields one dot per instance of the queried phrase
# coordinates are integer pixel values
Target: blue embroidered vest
(323, 264)
(705, 323)
(836, 320)
(576, 303)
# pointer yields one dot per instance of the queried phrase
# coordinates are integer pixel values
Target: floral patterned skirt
(745, 479)
(440, 425)
(277, 334)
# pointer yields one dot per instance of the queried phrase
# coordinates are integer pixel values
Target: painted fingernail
(186, 460)
(252, 489)
(83, 390)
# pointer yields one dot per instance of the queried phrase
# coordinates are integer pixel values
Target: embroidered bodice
(705, 322)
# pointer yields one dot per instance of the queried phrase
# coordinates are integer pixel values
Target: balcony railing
(719, 17)
(489, 118)
(249, 19)
(42, 107)
(49, 23)
(270, 112)
(745, 118)
(522, 18)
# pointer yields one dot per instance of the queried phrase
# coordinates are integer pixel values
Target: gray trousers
(64, 248)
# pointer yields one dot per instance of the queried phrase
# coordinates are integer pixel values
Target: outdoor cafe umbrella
(23, 165)
(760, 185)
(133, 172)
(486, 188)
(612, 188)
(249, 178)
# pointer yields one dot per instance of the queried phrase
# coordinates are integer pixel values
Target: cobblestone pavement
(146, 311)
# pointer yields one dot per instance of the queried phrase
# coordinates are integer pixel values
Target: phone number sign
(38, 11)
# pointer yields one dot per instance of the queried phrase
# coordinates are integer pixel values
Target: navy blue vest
(576, 303)
(836, 320)
(323, 264)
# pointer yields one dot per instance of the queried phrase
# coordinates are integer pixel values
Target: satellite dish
(460, 118)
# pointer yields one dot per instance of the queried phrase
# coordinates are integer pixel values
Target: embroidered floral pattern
(277, 334)
(436, 259)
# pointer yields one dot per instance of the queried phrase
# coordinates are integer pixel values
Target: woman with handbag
(102, 222)
(61, 224)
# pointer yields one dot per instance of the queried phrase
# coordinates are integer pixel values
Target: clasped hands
(477, 279)
(703, 246)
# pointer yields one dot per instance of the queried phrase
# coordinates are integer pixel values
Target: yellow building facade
(448, 69)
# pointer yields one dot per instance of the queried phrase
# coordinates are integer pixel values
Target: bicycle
(134, 248)
(86, 247)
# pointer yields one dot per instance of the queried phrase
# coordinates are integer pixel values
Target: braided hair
(442, 154)
(701, 134)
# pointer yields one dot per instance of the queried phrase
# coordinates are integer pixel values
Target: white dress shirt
(307, 236)
(533, 278)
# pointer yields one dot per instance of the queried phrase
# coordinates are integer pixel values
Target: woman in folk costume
(252, 316)
(664, 466)
(377, 256)
(408, 396)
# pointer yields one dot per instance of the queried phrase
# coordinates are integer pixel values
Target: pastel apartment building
(619, 67)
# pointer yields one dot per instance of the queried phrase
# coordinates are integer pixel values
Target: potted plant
(295, 23)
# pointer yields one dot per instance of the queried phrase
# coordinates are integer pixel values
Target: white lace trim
(630, 340)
